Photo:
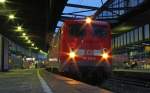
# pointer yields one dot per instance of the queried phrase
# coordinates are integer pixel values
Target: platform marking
(45, 87)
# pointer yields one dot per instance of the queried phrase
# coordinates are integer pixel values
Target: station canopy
(79, 9)
(105, 10)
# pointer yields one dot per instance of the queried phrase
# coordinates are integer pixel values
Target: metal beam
(58, 27)
(68, 18)
(82, 6)
(102, 8)
(113, 12)
(72, 14)
(78, 12)
(120, 8)
(4, 12)
(100, 19)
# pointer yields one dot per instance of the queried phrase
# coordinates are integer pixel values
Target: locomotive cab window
(76, 30)
(99, 31)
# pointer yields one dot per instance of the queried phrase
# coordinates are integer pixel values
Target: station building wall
(133, 46)
(12, 55)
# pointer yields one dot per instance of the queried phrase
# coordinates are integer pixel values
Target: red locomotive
(83, 47)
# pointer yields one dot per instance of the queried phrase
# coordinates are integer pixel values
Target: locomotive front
(86, 47)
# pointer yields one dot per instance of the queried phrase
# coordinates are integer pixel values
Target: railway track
(121, 84)
(126, 85)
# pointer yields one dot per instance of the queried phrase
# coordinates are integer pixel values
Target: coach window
(132, 36)
(136, 34)
(116, 42)
(118, 38)
(146, 31)
(125, 39)
(76, 30)
(121, 37)
(0, 51)
(112, 42)
(140, 33)
(128, 38)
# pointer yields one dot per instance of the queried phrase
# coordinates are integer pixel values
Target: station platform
(133, 70)
(139, 74)
(20, 81)
(41, 81)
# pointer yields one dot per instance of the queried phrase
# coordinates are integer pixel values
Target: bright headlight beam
(88, 20)
(72, 54)
(105, 55)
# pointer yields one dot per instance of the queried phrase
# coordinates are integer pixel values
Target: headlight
(105, 55)
(72, 54)
(88, 20)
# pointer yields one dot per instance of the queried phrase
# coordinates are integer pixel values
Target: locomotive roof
(83, 21)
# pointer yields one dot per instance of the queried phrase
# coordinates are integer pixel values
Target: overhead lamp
(11, 16)
(29, 41)
(36, 48)
(32, 44)
(26, 38)
(2, 1)
(125, 28)
(23, 34)
(122, 28)
(41, 51)
(19, 28)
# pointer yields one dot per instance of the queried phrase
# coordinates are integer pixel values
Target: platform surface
(61, 84)
(20, 81)
(41, 81)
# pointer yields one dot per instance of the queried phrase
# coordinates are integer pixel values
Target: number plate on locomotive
(82, 52)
